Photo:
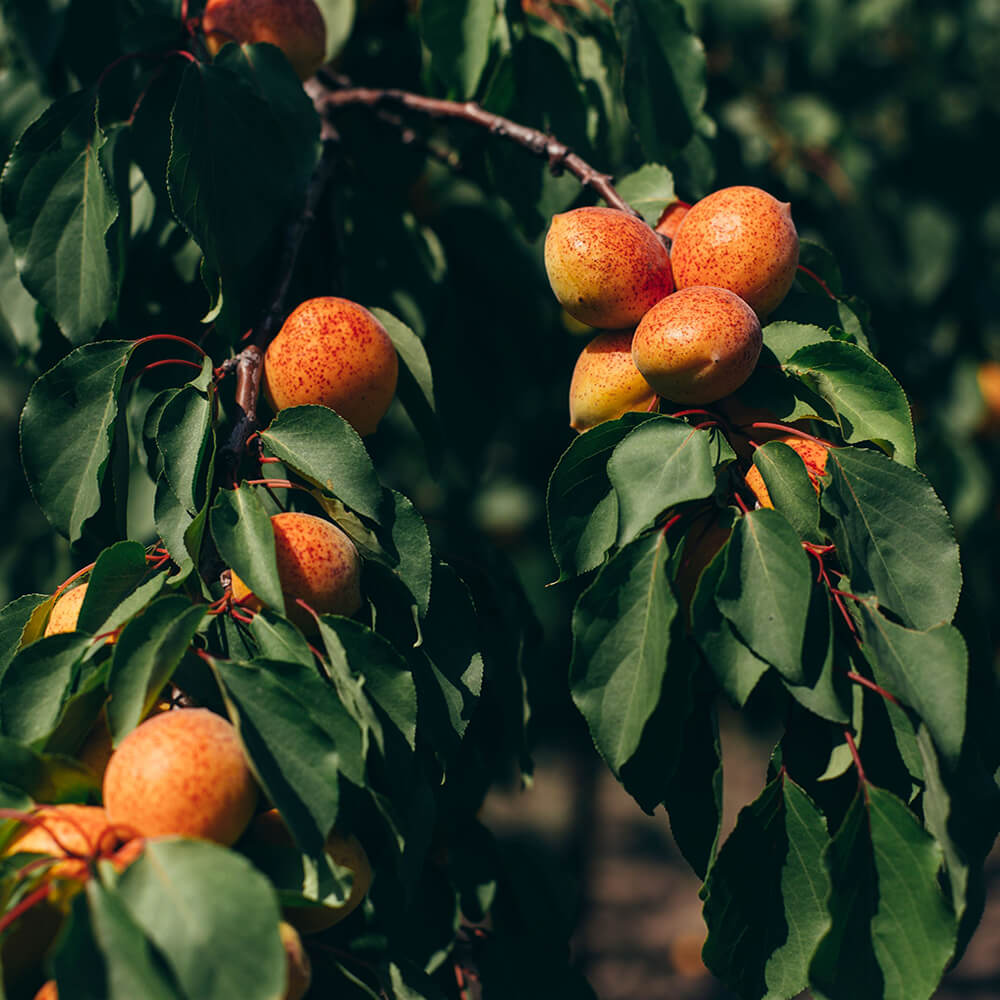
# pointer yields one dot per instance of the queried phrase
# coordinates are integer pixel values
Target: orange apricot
(697, 345)
(740, 238)
(317, 562)
(66, 611)
(335, 353)
(812, 453)
(606, 267)
(66, 831)
(297, 963)
(295, 26)
(988, 379)
(268, 829)
(671, 218)
(606, 382)
(181, 773)
(49, 991)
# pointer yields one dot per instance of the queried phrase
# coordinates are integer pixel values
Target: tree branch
(558, 154)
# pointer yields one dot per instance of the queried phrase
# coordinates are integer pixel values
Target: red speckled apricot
(335, 353)
(317, 562)
(671, 219)
(811, 452)
(697, 345)
(295, 26)
(181, 773)
(66, 611)
(606, 382)
(606, 267)
(740, 238)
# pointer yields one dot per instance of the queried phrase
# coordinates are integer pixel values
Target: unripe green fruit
(740, 238)
(606, 267)
(606, 382)
(697, 345)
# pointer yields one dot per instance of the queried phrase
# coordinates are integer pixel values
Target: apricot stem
(872, 686)
(852, 746)
(32, 899)
(788, 429)
(819, 281)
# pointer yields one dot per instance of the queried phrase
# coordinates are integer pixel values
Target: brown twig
(560, 157)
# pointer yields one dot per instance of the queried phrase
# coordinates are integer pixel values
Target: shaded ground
(641, 930)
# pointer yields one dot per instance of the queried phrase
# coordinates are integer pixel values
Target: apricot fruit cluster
(683, 324)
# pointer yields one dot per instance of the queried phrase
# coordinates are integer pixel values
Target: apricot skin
(181, 773)
(335, 353)
(66, 611)
(269, 829)
(698, 345)
(812, 453)
(988, 380)
(606, 382)
(295, 26)
(317, 562)
(49, 991)
(740, 238)
(606, 267)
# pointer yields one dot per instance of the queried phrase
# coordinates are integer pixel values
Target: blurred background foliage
(871, 116)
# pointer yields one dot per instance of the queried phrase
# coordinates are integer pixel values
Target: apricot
(705, 536)
(606, 267)
(66, 611)
(606, 382)
(181, 773)
(697, 345)
(49, 991)
(812, 453)
(988, 379)
(298, 964)
(345, 849)
(65, 831)
(740, 238)
(295, 26)
(317, 562)
(335, 353)
(671, 218)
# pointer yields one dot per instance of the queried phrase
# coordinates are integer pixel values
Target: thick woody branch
(560, 157)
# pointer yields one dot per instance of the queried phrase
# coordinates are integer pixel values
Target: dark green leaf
(45, 777)
(59, 207)
(895, 536)
(323, 448)
(338, 16)
(66, 430)
(458, 37)
(764, 590)
(14, 620)
(790, 488)
(660, 464)
(278, 639)
(184, 437)
(784, 338)
(117, 572)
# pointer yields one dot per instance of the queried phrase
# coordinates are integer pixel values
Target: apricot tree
(220, 278)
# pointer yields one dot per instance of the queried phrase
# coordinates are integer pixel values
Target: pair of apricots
(683, 324)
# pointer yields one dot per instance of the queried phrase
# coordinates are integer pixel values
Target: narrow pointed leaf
(457, 34)
(117, 572)
(184, 437)
(789, 487)
(14, 620)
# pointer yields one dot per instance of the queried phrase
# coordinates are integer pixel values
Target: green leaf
(338, 16)
(457, 33)
(648, 190)
(764, 590)
(784, 338)
(14, 621)
(131, 966)
(37, 683)
(45, 777)
(621, 636)
(895, 535)
(869, 403)
(926, 670)
(765, 897)
(324, 449)
(582, 506)
(211, 915)
(664, 74)
(59, 207)
(278, 639)
(660, 464)
(66, 430)
(243, 535)
(886, 905)
(790, 488)
(410, 349)
(147, 652)
(184, 439)
(117, 572)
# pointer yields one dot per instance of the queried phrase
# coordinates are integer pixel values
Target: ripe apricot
(812, 453)
(49, 991)
(66, 611)
(333, 352)
(298, 964)
(295, 26)
(697, 345)
(988, 379)
(606, 382)
(181, 773)
(65, 831)
(317, 562)
(345, 849)
(671, 218)
(740, 238)
(606, 267)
